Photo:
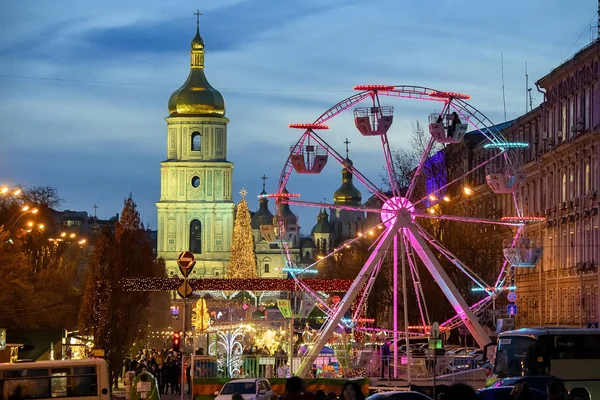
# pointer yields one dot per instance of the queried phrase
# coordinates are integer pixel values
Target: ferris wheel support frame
(379, 252)
(445, 283)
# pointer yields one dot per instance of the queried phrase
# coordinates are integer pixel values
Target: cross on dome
(347, 142)
(264, 179)
(198, 14)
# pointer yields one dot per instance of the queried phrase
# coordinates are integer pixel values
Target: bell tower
(195, 211)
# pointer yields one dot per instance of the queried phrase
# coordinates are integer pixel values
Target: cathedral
(196, 209)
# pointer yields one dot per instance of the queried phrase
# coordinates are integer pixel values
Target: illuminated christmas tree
(242, 262)
(200, 316)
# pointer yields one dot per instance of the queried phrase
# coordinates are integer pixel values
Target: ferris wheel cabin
(524, 253)
(309, 158)
(373, 121)
(447, 129)
(503, 179)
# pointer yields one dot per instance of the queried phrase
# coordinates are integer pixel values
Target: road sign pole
(182, 387)
(186, 263)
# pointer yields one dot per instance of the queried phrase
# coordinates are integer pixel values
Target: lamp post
(25, 210)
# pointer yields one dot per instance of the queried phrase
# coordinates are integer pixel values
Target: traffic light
(176, 336)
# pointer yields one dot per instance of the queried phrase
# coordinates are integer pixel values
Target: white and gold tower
(196, 211)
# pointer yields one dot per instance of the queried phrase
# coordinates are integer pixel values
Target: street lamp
(468, 191)
(25, 210)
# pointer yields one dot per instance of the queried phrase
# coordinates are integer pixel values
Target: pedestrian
(526, 393)
(166, 378)
(320, 395)
(385, 359)
(352, 391)
(460, 391)
(295, 390)
(554, 392)
(188, 376)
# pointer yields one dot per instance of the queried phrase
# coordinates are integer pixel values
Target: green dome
(263, 216)
(323, 225)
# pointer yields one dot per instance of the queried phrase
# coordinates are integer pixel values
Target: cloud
(84, 85)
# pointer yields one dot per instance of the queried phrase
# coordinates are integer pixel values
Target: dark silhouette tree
(115, 318)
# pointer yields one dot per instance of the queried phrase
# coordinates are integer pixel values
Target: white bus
(81, 379)
(572, 355)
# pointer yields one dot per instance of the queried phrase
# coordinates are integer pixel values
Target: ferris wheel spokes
(422, 248)
(363, 179)
(416, 279)
(424, 158)
(447, 185)
(453, 259)
(477, 220)
(330, 205)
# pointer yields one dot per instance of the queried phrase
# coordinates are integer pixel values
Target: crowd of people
(164, 365)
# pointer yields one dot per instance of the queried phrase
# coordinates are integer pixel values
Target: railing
(364, 364)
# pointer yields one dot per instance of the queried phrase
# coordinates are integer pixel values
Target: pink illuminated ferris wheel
(400, 211)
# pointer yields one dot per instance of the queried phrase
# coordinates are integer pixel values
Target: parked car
(399, 396)
(534, 382)
(503, 393)
(250, 389)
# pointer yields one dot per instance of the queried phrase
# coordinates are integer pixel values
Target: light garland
(523, 219)
(493, 289)
(373, 87)
(456, 95)
(506, 145)
(299, 270)
(312, 127)
(216, 284)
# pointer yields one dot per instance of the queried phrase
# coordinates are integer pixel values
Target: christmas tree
(242, 262)
(200, 316)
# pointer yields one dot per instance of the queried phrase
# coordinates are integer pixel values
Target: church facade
(196, 209)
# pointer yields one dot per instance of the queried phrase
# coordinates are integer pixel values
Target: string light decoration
(523, 220)
(216, 284)
(299, 270)
(312, 127)
(506, 145)
(447, 95)
(373, 87)
(493, 289)
(242, 262)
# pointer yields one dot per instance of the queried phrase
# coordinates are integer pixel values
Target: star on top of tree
(243, 192)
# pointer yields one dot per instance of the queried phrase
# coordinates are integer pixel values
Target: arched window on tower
(196, 141)
(267, 268)
(196, 237)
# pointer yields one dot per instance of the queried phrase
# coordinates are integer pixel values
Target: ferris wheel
(399, 229)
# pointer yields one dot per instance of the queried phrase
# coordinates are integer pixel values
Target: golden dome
(347, 193)
(197, 97)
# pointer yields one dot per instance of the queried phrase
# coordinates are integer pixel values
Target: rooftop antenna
(503, 95)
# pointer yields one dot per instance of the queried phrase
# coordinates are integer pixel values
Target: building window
(587, 111)
(587, 177)
(563, 192)
(267, 269)
(196, 237)
(196, 141)
(196, 181)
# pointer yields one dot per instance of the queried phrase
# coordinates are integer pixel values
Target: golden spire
(197, 97)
